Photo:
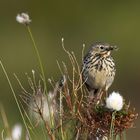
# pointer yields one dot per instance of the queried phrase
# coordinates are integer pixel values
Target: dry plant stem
(77, 135)
(66, 91)
(61, 110)
(47, 127)
(49, 132)
(75, 70)
(20, 83)
(5, 121)
(16, 100)
(73, 63)
(68, 98)
(30, 122)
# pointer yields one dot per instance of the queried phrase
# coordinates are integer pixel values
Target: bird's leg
(106, 93)
(96, 95)
(99, 94)
(91, 96)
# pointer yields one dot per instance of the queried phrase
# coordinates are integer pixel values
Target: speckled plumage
(98, 68)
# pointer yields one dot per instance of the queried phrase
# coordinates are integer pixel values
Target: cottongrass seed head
(16, 133)
(41, 107)
(114, 101)
(23, 18)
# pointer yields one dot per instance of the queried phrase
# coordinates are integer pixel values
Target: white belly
(99, 79)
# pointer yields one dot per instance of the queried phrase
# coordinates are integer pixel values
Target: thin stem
(124, 135)
(41, 68)
(61, 109)
(11, 87)
(118, 137)
(50, 134)
(38, 57)
(112, 126)
(2, 134)
(5, 121)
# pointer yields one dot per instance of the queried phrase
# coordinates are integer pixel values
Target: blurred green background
(85, 21)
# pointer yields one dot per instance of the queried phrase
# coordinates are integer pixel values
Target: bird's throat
(105, 54)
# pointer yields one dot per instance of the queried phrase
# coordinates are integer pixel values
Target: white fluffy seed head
(23, 18)
(114, 101)
(17, 132)
(48, 107)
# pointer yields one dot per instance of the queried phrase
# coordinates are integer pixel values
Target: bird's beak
(112, 48)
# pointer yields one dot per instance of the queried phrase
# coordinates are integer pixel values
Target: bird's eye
(101, 47)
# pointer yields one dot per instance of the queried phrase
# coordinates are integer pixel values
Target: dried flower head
(114, 101)
(41, 107)
(23, 18)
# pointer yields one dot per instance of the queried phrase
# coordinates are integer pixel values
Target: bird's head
(103, 49)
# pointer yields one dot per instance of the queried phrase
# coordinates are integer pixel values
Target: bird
(98, 68)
